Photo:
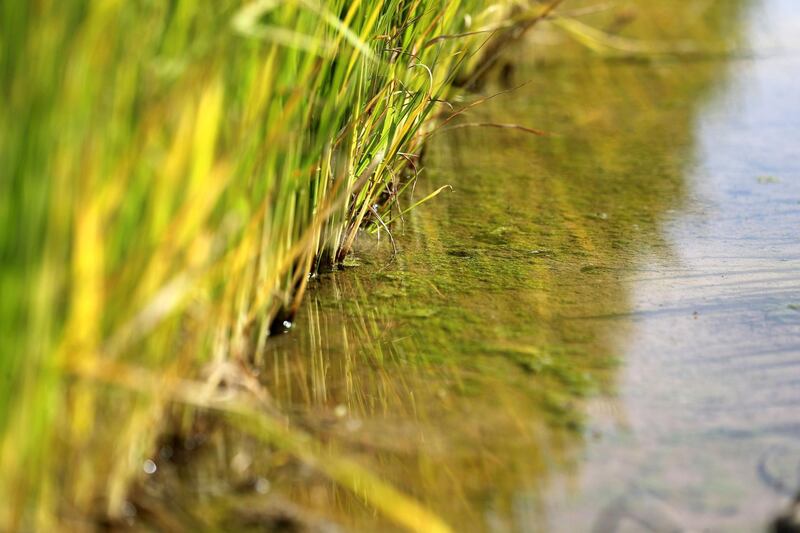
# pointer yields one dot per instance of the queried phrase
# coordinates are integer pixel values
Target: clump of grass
(173, 173)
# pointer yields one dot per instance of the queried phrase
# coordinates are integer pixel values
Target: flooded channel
(598, 329)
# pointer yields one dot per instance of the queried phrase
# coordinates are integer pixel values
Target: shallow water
(599, 328)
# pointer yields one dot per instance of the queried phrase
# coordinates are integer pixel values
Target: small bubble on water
(128, 510)
(352, 425)
(150, 467)
(262, 485)
(241, 462)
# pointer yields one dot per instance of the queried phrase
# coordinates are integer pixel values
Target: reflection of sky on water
(711, 386)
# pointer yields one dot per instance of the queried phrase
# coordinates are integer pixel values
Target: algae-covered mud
(596, 329)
